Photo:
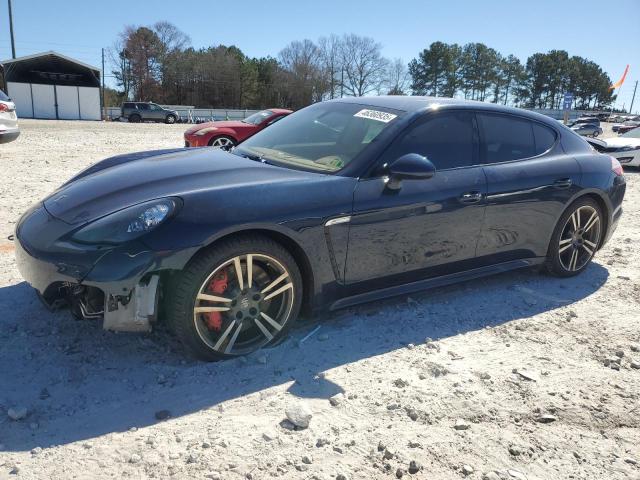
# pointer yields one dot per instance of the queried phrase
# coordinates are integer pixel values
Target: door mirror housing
(410, 166)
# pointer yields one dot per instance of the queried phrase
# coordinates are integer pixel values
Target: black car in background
(340, 203)
(136, 112)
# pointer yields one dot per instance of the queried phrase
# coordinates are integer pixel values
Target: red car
(231, 132)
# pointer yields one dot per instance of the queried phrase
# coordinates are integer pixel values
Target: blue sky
(605, 32)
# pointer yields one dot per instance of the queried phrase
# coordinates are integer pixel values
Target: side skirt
(435, 282)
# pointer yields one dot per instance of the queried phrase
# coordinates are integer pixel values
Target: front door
(427, 227)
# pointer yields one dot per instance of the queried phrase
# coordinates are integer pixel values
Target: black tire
(135, 119)
(230, 142)
(171, 119)
(560, 257)
(193, 328)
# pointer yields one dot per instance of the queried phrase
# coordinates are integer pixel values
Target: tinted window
(544, 138)
(143, 106)
(446, 139)
(3, 97)
(506, 138)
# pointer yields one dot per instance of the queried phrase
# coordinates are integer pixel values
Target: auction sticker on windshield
(376, 115)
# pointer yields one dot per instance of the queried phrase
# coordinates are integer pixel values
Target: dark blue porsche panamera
(340, 203)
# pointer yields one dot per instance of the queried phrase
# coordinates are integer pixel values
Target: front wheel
(235, 298)
(171, 119)
(222, 142)
(575, 239)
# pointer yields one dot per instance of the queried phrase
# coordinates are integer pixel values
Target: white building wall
(44, 101)
(39, 101)
(20, 94)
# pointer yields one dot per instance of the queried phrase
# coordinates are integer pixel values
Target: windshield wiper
(251, 156)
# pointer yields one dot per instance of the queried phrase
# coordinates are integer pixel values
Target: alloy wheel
(579, 239)
(243, 304)
(222, 142)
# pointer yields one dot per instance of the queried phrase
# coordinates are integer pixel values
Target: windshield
(635, 133)
(323, 137)
(259, 117)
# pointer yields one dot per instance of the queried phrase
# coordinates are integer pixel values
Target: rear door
(428, 227)
(530, 180)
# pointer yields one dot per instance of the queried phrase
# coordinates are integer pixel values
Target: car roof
(280, 110)
(415, 103)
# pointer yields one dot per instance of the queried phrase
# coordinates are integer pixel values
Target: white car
(9, 129)
(625, 148)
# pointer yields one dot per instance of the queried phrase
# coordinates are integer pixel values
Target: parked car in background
(590, 120)
(587, 129)
(137, 112)
(9, 129)
(626, 126)
(227, 133)
(231, 245)
(625, 149)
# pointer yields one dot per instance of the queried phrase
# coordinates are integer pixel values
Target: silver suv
(9, 130)
(137, 112)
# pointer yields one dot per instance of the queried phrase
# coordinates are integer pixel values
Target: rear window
(506, 138)
(3, 96)
(544, 137)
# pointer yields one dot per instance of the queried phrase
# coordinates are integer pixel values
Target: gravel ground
(520, 376)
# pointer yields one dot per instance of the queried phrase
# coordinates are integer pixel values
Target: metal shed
(53, 86)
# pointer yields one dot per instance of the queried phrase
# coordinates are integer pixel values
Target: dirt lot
(520, 376)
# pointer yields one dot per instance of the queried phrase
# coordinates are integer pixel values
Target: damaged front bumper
(119, 284)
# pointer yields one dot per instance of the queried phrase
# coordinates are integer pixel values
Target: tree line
(157, 63)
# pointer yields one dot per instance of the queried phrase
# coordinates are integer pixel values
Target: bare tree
(330, 51)
(397, 78)
(120, 65)
(303, 62)
(363, 65)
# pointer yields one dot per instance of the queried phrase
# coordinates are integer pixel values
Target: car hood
(129, 180)
(622, 141)
(232, 124)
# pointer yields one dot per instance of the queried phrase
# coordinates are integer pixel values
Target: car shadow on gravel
(79, 382)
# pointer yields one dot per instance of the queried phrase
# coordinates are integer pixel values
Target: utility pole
(13, 42)
(634, 97)
(104, 107)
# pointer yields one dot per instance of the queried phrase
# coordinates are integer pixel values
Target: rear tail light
(616, 167)
(4, 107)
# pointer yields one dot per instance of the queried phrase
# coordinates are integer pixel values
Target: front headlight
(127, 224)
(206, 130)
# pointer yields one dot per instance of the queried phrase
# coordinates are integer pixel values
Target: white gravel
(529, 364)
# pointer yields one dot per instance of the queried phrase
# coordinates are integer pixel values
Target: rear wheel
(575, 239)
(134, 119)
(236, 298)
(222, 142)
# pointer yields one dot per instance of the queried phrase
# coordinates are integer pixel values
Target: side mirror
(410, 166)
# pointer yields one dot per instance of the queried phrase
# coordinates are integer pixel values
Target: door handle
(562, 183)
(470, 197)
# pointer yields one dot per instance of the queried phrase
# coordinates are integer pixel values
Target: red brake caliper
(217, 286)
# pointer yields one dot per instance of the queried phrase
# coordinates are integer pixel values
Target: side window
(506, 137)
(143, 106)
(544, 138)
(447, 139)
